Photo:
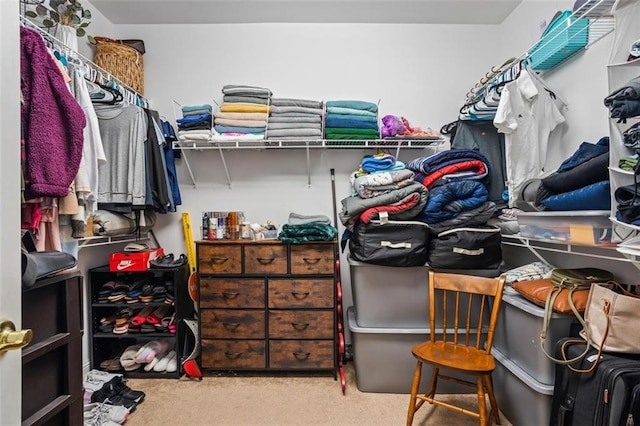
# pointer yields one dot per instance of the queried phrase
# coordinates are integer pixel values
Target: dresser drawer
(301, 324)
(219, 259)
(301, 293)
(265, 259)
(232, 324)
(301, 354)
(233, 354)
(312, 259)
(231, 293)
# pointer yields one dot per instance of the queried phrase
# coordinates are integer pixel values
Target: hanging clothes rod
(84, 59)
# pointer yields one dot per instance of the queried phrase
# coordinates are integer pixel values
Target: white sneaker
(172, 365)
(113, 413)
(94, 379)
(161, 365)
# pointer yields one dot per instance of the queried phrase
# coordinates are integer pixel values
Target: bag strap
(548, 311)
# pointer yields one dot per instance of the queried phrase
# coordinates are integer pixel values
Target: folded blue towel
(377, 162)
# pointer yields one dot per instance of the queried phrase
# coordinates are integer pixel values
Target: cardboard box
(125, 261)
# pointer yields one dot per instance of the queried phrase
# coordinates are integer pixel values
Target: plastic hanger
(537, 78)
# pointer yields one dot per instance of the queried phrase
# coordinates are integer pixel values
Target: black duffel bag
(390, 243)
(467, 248)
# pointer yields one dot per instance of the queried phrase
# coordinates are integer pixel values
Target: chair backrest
(464, 308)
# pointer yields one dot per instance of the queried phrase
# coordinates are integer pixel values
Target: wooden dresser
(267, 305)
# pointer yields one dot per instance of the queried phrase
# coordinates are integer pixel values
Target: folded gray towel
(299, 219)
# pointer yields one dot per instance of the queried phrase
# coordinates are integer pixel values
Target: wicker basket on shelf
(121, 60)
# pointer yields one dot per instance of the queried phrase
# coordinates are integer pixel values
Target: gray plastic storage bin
(522, 399)
(395, 297)
(387, 296)
(517, 335)
(384, 363)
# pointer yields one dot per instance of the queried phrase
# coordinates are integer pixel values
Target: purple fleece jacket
(52, 121)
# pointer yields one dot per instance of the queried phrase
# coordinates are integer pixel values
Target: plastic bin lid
(515, 299)
(521, 374)
(572, 213)
(355, 328)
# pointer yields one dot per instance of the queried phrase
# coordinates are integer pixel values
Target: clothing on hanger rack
(97, 74)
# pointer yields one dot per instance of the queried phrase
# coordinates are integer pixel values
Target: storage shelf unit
(105, 344)
(306, 144)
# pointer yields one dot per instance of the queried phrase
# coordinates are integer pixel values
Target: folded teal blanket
(298, 234)
(367, 106)
(354, 124)
(365, 118)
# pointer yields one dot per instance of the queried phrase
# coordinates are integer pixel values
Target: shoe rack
(131, 309)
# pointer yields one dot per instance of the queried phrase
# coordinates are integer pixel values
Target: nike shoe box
(136, 261)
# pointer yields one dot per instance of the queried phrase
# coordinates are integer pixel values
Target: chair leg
(414, 391)
(482, 404)
(492, 399)
(434, 382)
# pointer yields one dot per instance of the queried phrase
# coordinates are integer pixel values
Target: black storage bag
(466, 248)
(390, 243)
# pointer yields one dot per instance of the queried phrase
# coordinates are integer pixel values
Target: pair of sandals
(168, 262)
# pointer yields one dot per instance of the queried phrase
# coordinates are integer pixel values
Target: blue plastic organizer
(564, 36)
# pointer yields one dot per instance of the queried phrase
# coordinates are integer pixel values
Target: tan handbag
(610, 322)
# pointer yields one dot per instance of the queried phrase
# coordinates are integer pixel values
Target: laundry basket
(122, 61)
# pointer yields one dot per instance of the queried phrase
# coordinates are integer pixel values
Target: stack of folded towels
(348, 119)
(243, 113)
(295, 119)
(195, 123)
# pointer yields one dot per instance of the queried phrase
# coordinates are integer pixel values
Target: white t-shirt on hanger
(526, 115)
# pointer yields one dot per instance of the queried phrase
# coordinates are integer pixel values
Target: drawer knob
(302, 356)
(231, 325)
(300, 325)
(230, 294)
(311, 260)
(264, 261)
(232, 355)
(218, 260)
(298, 295)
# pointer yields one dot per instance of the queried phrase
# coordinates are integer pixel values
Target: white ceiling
(305, 11)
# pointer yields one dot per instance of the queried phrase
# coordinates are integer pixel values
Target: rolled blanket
(405, 209)
(353, 206)
(448, 201)
(374, 184)
(469, 169)
(433, 162)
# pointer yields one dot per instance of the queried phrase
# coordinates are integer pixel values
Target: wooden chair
(457, 344)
